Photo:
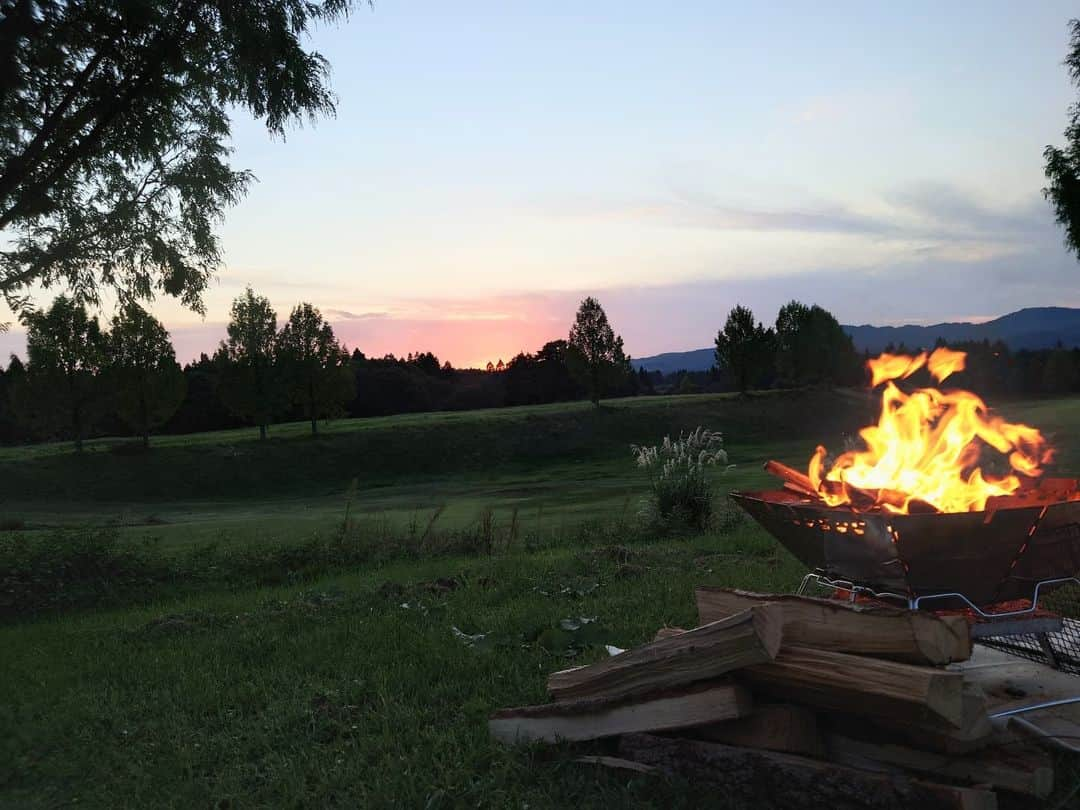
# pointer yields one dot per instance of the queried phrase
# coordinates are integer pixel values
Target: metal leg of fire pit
(1048, 649)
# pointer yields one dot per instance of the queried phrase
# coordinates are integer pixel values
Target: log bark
(914, 637)
(771, 726)
(871, 687)
(749, 637)
(1022, 769)
(766, 780)
(596, 718)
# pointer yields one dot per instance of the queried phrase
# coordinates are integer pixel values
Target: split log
(767, 780)
(865, 686)
(975, 732)
(594, 718)
(881, 631)
(772, 726)
(1022, 769)
(749, 637)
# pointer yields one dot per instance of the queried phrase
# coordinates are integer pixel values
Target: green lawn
(245, 676)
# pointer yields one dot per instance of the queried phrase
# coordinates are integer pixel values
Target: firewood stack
(788, 701)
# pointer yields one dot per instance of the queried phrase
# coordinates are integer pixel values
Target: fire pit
(914, 517)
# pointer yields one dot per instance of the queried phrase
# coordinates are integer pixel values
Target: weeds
(682, 492)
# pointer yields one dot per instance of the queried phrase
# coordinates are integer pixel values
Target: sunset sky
(493, 162)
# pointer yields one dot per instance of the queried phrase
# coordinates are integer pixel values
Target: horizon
(465, 199)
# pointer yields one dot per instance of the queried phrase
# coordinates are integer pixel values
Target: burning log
(744, 774)
(792, 478)
(749, 637)
(603, 717)
(913, 637)
(879, 689)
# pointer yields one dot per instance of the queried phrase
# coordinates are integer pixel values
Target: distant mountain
(1033, 328)
(670, 362)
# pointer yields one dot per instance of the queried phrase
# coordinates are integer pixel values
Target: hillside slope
(391, 450)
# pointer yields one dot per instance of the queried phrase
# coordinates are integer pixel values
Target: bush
(681, 490)
(72, 569)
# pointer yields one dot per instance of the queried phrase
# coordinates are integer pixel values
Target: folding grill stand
(1049, 639)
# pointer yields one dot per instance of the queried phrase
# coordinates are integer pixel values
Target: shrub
(60, 570)
(681, 489)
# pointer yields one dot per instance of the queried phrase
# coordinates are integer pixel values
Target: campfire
(942, 498)
(925, 451)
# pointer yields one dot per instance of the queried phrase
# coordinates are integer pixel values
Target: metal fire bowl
(987, 556)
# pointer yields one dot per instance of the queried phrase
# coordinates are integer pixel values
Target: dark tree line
(83, 380)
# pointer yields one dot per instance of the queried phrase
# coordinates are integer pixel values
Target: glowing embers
(856, 527)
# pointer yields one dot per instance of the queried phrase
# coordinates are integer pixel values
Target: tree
(315, 365)
(596, 355)
(251, 385)
(744, 348)
(65, 350)
(1062, 166)
(147, 382)
(812, 347)
(114, 130)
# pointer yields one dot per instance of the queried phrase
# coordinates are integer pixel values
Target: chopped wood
(767, 779)
(1018, 768)
(772, 726)
(866, 686)
(877, 630)
(595, 718)
(975, 731)
(749, 637)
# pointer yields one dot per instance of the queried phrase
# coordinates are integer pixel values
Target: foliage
(65, 350)
(596, 356)
(252, 385)
(114, 129)
(315, 367)
(744, 348)
(681, 489)
(812, 347)
(146, 381)
(1062, 165)
(72, 569)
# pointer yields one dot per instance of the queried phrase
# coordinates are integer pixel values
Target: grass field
(251, 648)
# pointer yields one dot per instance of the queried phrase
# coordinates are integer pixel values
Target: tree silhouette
(114, 130)
(252, 386)
(1062, 166)
(812, 347)
(744, 348)
(315, 365)
(146, 381)
(65, 350)
(596, 354)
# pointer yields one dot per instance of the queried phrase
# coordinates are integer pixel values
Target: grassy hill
(389, 450)
(213, 633)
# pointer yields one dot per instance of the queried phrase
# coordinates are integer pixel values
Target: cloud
(345, 315)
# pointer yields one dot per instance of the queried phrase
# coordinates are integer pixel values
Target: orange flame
(926, 446)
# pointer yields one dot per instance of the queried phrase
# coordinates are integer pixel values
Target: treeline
(807, 346)
(83, 380)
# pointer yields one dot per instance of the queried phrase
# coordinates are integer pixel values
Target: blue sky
(493, 162)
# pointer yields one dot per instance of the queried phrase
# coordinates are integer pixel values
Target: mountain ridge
(1027, 328)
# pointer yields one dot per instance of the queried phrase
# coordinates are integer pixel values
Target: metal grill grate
(1059, 648)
